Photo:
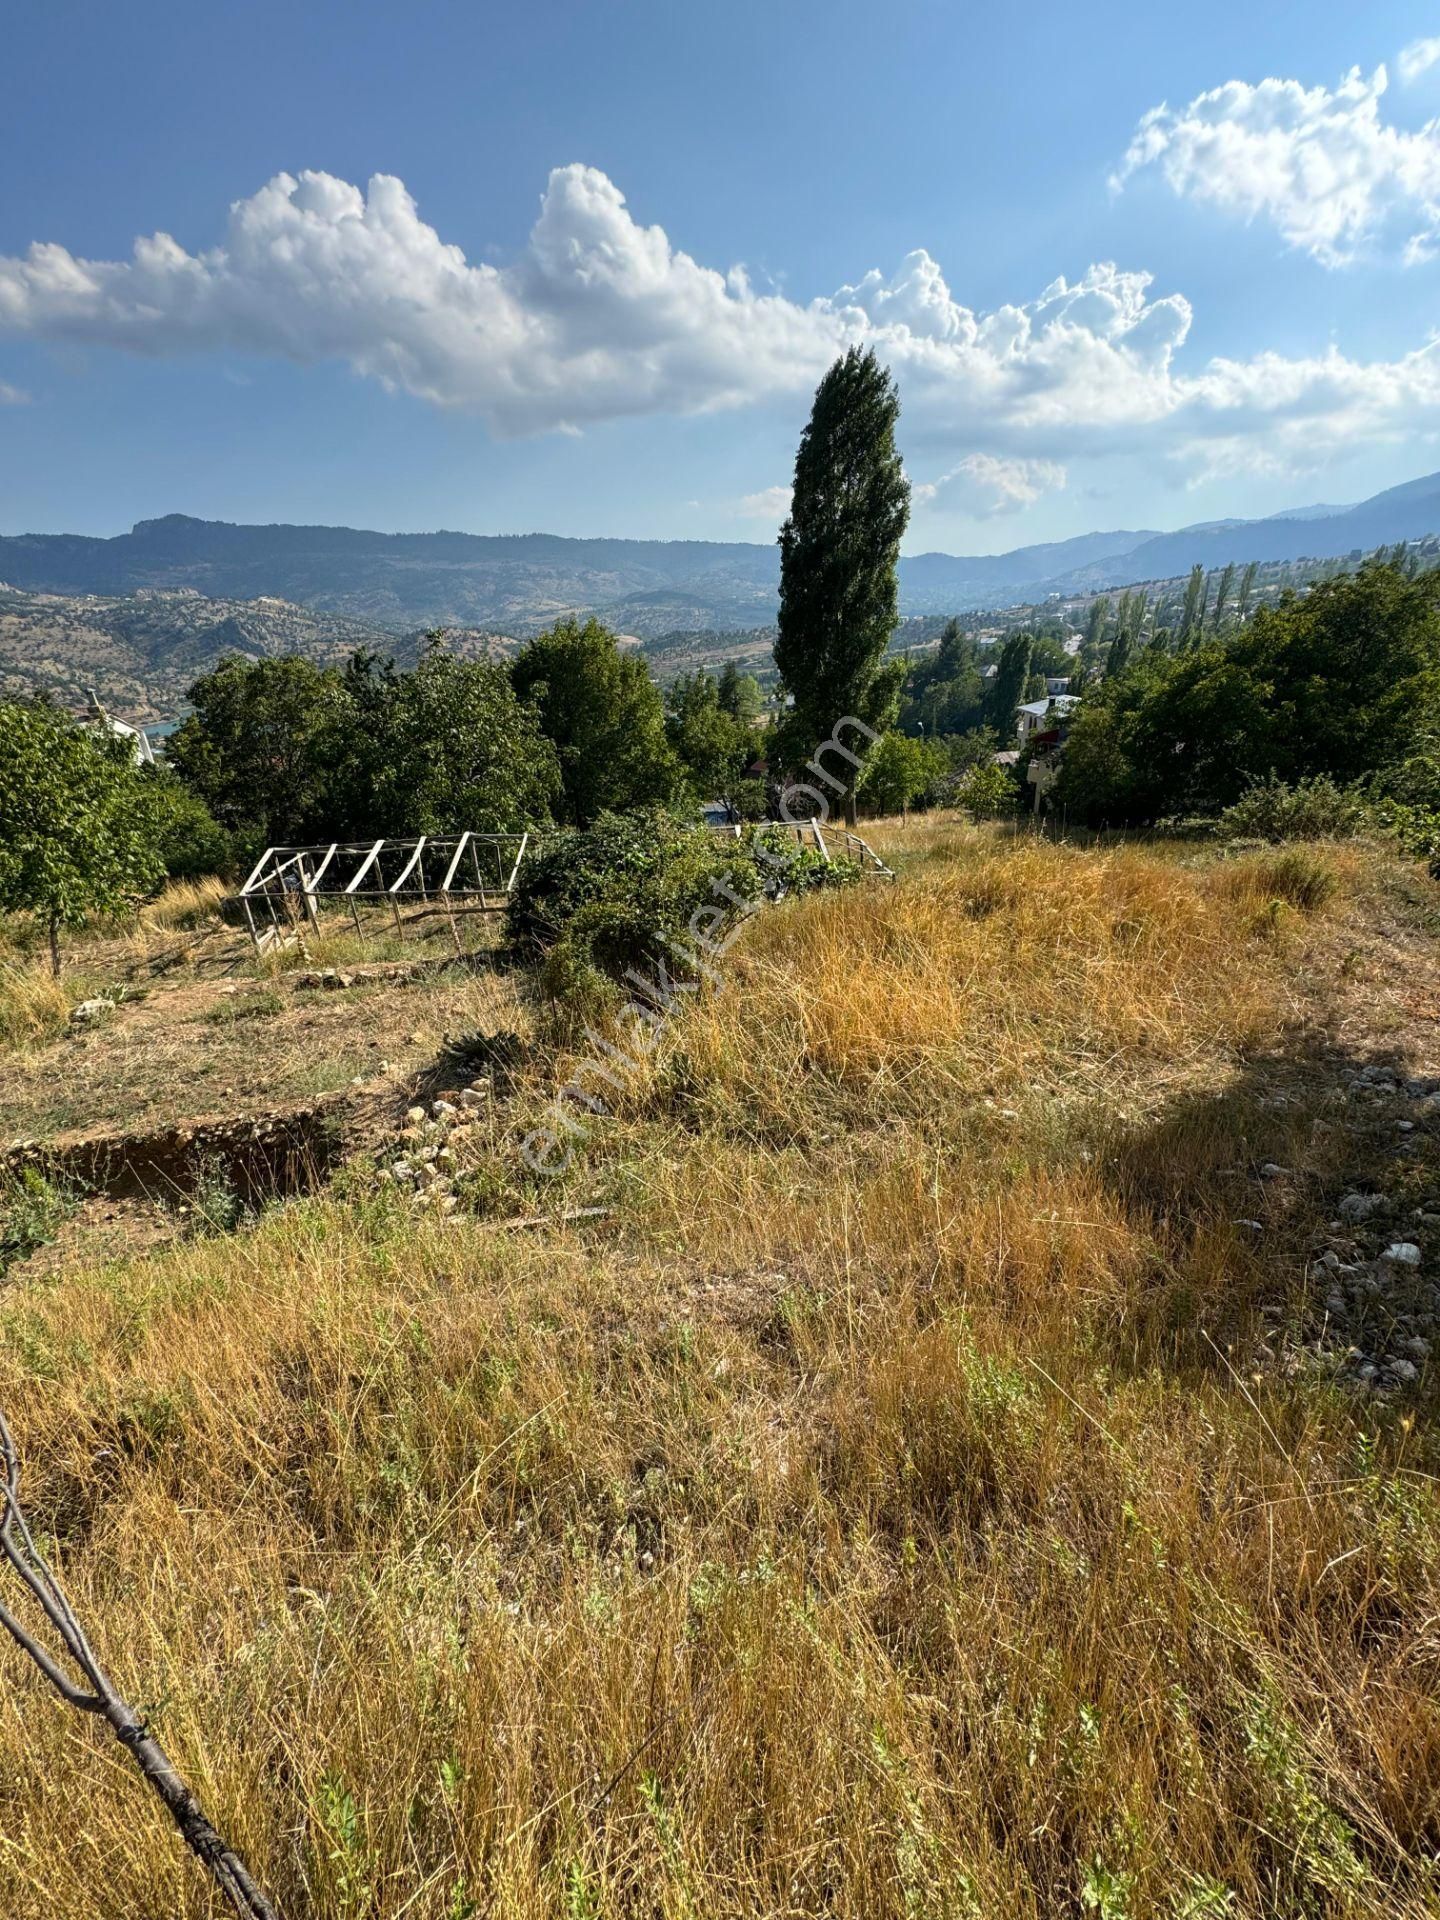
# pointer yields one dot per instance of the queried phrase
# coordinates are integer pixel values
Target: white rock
(1402, 1253)
(444, 1110)
(89, 1011)
(1405, 1370)
(415, 1115)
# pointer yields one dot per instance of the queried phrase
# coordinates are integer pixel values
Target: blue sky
(612, 248)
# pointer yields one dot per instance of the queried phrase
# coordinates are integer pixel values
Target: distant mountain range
(519, 583)
(141, 615)
(1096, 561)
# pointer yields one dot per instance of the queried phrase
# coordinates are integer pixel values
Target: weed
(214, 1204)
(246, 1006)
(33, 1208)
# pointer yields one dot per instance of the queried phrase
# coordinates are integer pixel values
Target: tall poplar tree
(1192, 620)
(1247, 587)
(1012, 675)
(838, 553)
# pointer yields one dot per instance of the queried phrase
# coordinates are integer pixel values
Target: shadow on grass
(1244, 1189)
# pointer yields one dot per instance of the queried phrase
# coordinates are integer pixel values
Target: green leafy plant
(1315, 809)
(78, 830)
(987, 792)
(33, 1208)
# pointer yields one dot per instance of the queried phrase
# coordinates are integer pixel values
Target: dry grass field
(941, 1481)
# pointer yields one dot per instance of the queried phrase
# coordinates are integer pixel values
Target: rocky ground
(1377, 1299)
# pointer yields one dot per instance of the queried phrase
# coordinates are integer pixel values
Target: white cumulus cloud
(1418, 58)
(1321, 164)
(986, 484)
(599, 317)
(771, 503)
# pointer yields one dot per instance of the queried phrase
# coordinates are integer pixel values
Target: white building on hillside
(140, 747)
(1041, 716)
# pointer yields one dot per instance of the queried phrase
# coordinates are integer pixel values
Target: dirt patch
(259, 1157)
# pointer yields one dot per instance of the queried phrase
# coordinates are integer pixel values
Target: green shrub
(618, 891)
(986, 791)
(193, 844)
(32, 1211)
(1317, 809)
(598, 902)
(785, 867)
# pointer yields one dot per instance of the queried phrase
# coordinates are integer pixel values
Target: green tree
(1007, 689)
(1339, 682)
(1096, 627)
(605, 715)
(259, 746)
(78, 833)
(943, 692)
(468, 754)
(713, 745)
(191, 842)
(1222, 595)
(1192, 617)
(898, 771)
(986, 791)
(739, 694)
(1127, 632)
(838, 552)
(283, 751)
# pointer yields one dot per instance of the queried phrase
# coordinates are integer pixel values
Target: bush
(32, 1211)
(1317, 809)
(192, 842)
(640, 887)
(785, 867)
(617, 891)
(985, 790)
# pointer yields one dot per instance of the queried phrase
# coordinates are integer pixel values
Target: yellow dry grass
(879, 1514)
(183, 906)
(33, 1005)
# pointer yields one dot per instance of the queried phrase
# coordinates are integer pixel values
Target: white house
(140, 747)
(1039, 716)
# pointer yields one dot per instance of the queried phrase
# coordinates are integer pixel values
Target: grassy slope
(896, 1507)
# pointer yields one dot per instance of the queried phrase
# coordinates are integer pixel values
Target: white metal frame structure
(449, 873)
